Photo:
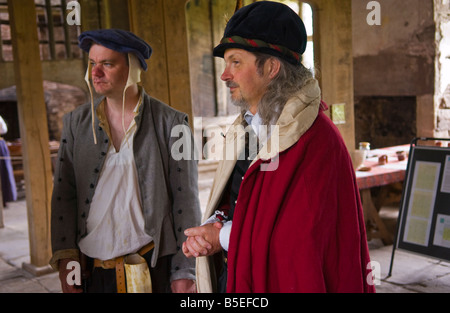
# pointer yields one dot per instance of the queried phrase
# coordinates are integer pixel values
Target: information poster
(446, 179)
(424, 220)
(421, 204)
(442, 233)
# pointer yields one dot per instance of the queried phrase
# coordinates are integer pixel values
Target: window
(306, 14)
(57, 39)
(5, 33)
(304, 10)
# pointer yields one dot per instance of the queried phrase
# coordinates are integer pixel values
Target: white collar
(254, 120)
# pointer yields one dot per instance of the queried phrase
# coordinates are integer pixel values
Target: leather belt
(118, 264)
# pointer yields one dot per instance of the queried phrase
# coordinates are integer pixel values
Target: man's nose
(97, 71)
(226, 75)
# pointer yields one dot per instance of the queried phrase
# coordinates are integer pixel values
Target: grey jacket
(168, 188)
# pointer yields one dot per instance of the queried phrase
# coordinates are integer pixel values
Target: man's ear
(273, 65)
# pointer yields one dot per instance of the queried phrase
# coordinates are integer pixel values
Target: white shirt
(255, 121)
(115, 223)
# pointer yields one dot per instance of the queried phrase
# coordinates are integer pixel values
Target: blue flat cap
(118, 40)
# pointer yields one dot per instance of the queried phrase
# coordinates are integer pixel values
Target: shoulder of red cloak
(322, 133)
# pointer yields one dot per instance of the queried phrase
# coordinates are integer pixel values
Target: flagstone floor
(411, 273)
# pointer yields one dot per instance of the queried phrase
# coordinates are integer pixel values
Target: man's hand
(184, 286)
(63, 273)
(203, 240)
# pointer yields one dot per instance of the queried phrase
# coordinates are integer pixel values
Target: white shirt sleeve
(224, 235)
(214, 218)
(3, 127)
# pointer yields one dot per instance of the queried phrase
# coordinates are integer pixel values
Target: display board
(424, 217)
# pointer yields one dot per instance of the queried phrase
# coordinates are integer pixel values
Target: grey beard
(268, 115)
(241, 103)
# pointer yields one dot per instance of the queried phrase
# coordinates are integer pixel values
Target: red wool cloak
(300, 228)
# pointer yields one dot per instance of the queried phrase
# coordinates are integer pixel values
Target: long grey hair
(287, 83)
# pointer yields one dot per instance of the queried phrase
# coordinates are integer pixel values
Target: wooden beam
(152, 30)
(91, 17)
(177, 49)
(221, 12)
(33, 131)
(162, 23)
(333, 53)
(115, 14)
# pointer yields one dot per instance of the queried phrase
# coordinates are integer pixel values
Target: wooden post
(162, 23)
(178, 55)
(152, 30)
(115, 14)
(33, 131)
(221, 11)
(333, 54)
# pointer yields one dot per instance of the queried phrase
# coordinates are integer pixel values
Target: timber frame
(163, 24)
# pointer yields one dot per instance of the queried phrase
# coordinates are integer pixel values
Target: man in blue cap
(288, 219)
(118, 193)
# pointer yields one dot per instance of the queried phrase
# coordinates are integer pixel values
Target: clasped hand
(202, 240)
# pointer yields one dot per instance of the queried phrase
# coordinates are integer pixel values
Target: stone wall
(59, 98)
(408, 55)
(394, 71)
(395, 58)
(385, 121)
(442, 80)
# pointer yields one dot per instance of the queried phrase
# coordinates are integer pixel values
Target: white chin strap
(134, 77)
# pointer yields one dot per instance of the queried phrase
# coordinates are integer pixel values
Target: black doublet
(241, 167)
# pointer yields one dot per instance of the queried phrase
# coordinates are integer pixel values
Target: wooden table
(379, 175)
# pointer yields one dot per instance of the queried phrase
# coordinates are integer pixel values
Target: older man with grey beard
(287, 219)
